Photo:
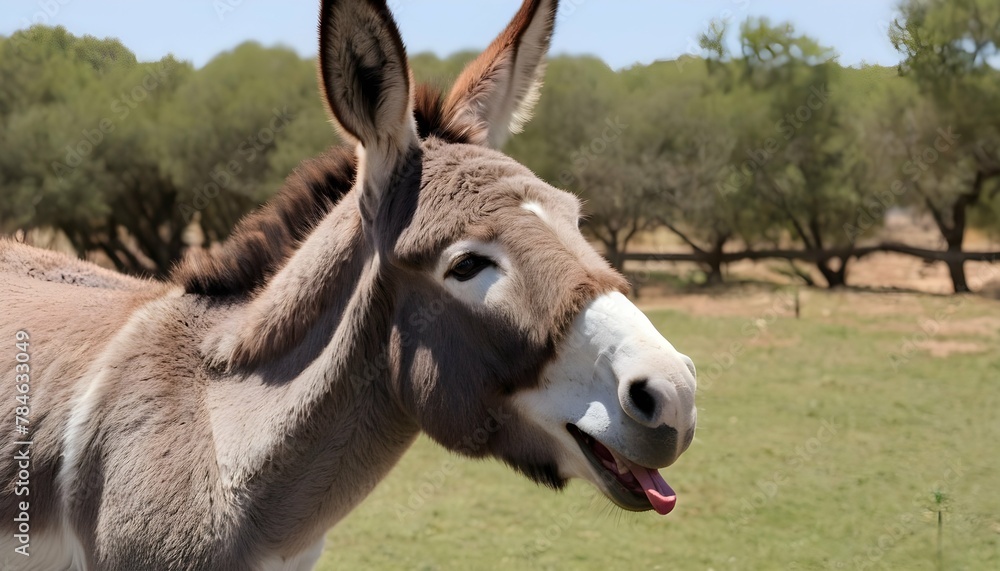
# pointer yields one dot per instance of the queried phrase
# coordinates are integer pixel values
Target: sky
(622, 32)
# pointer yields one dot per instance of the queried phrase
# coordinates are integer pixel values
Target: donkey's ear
(366, 80)
(497, 91)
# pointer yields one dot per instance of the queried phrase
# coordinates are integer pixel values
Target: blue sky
(622, 32)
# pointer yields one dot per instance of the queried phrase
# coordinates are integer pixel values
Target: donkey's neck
(303, 437)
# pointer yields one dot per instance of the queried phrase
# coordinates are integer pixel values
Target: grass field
(821, 444)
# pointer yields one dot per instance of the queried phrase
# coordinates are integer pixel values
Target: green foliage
(803, 168)
(952, 50)
(122, 157)
(580, 95)
(441, 73)
(231, 134)
(774, 145)
(78, 153)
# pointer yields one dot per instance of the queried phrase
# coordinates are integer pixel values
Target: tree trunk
(714, 261)
(954, 233)
(714, 274)
(613, 251)
(616, 258)
(955, 238)
(956, 268)
(834, 278)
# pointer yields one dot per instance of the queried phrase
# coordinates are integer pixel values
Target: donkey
(418, 280)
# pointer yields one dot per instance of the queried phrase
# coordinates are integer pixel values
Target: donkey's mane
(265, 239)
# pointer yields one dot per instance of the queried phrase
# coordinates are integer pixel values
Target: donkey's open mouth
(629, 485)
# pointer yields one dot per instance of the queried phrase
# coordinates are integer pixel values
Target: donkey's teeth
(621, 465)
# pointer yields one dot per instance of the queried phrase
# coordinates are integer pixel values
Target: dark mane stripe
(430, 113)
(265, 239)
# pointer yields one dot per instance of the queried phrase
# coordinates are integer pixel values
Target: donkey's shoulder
(46, 265)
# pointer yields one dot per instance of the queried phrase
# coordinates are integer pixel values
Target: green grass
(813, 452)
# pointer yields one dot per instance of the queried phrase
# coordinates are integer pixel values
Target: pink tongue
(659, 493)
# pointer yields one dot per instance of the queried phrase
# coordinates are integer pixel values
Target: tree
(807, 171)
(697, 146)
(950, 49)
(583, 139)
(140, 160)
(235, 131)
(77, 146)
(738, 155)
(620, 191)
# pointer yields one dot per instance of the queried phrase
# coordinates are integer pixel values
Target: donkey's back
(58, 316)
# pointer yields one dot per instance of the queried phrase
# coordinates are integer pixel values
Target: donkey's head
(510, 335)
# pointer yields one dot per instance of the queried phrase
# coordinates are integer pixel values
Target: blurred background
(797, 191)
(752, 151)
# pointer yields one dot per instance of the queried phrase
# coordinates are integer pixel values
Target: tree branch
(686, 239)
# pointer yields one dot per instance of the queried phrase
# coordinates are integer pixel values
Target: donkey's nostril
(641, 398)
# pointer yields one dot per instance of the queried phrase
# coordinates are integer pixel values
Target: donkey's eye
(468, 267)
